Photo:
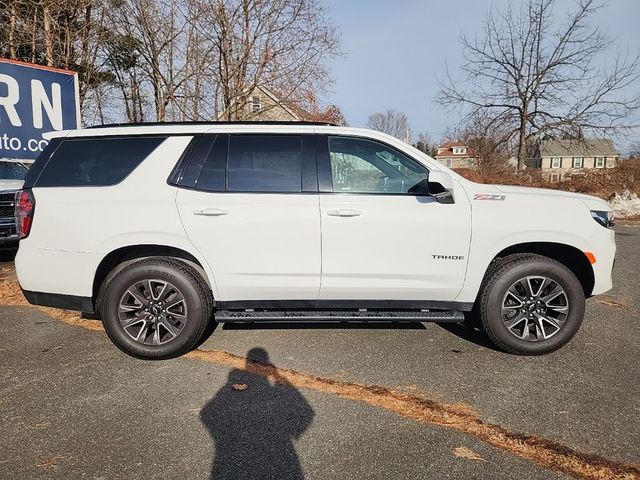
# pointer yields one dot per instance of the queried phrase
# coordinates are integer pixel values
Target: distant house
(262, 105)
(559, 159)
(456, 155)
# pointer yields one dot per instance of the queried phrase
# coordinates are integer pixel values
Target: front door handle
(210, 212)
(344, 212)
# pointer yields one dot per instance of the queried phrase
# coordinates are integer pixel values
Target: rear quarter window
(79, 162)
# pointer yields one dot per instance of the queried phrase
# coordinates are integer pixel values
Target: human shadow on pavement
(254, 420)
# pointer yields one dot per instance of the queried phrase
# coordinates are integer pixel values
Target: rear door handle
(344, 212)
(210, 212)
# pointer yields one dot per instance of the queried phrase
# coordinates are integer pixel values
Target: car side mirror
(438, 186)
(421, 188)
(441, 194)
(432, 189)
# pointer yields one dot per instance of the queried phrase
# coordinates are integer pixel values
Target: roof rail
(238, 122)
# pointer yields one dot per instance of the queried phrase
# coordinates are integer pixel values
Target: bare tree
(282, 45)
(177, 59)
(530, 77)
(59, 34)
(391, 122)
(153, 30)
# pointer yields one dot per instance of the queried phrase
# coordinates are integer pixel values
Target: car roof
(191, 128)
(194, 128)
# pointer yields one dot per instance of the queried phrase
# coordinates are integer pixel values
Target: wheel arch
(125, 255)
(570, 256)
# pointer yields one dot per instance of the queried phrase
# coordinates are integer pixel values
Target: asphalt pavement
(73, 406)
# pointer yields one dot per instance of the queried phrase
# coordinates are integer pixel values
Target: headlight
(603, 218)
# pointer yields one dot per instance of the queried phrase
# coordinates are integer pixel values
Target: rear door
(380, 241)
(250, 204)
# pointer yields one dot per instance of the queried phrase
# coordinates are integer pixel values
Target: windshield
(12, 171)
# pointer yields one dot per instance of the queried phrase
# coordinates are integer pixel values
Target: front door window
(365, 166)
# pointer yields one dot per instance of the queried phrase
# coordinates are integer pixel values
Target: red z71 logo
(488, 196)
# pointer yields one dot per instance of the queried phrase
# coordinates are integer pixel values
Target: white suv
(157, 228)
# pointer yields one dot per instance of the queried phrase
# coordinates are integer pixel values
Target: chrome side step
(362, 315)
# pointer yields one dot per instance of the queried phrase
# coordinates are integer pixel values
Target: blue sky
(396, 50)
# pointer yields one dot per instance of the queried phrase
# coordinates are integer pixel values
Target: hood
(593, 203)
(10, 184)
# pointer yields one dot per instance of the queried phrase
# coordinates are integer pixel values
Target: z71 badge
(488, 196)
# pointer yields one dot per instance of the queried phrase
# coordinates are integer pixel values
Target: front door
(252, 211)
(379, 240)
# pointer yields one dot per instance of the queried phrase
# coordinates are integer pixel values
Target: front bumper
(605, 253)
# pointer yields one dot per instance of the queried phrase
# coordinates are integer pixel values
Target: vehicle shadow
(212, 326)
(471, 331)
(254, 420)
(8, 255)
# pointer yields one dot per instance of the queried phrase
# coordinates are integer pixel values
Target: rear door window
(79, 162)
(265, 163)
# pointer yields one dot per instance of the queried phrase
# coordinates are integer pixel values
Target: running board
(362, 315)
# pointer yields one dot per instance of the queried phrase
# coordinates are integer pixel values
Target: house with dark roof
(559, 159)
(456, 155)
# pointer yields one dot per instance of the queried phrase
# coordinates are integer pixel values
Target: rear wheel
(530, 304)
(155, 308)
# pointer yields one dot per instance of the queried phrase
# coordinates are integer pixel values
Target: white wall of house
(457, 162)
(569, 163)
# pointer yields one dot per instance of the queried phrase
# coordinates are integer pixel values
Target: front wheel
(531, 305)
(155, 308)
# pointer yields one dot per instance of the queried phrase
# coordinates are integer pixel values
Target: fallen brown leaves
(611, 303)
(51, 463)
(10, 294)
(600, 182)
(546, 453)
(240, 387)
(467, 453)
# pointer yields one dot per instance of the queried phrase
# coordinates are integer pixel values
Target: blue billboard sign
(34, 100)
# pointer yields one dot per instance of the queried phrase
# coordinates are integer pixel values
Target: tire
(178, 307)
(520, 306)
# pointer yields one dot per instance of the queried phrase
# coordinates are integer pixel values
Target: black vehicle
(12, 174)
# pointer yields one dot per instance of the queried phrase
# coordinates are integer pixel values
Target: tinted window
(366, 166)
(265, 163)
(12, 171)
(196, 153)
(212, 175)
(95, 161)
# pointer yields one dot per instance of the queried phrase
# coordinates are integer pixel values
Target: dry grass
(546, 453)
